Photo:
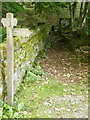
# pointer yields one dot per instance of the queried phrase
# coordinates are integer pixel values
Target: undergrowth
(34, 93)
(12, 112)
(34, 74)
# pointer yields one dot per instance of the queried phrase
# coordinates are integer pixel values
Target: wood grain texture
(21, 32)
(10, 60)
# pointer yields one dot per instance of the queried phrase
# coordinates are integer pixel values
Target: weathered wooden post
(10, 60)
(9, 22)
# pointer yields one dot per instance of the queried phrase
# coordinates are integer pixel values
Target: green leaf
(20, 106)
(15, 114)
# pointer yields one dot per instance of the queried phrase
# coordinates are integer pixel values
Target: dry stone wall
(25, 51)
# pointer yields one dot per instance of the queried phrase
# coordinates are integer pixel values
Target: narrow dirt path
(62, 93)
(62, 64)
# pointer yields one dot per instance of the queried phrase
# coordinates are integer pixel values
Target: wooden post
(10, 60)
(9, 22)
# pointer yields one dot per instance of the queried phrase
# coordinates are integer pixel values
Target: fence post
(10, 60)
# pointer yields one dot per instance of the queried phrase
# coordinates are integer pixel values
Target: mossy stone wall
(25, 51)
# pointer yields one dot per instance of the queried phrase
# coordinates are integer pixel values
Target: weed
(34, 74)
(12, 112)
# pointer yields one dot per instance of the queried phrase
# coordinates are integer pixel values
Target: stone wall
(25, 51)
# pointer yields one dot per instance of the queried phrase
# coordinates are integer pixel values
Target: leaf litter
(62, 93)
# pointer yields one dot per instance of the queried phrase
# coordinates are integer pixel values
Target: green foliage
(47, 8)
(2, 34)
(43, 54)
(12, 7)
(8, 111)
(20, 106)
(83, 58)
(34, 74)
(1, 110)
(12, 112)
(31, 77)
(37, 70)
(82, 53)
(84, 32)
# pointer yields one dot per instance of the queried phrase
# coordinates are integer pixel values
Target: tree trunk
(80, 16)
(74, 10)
(70, 9)
(88, 22)
(89, 17)
(84, 12)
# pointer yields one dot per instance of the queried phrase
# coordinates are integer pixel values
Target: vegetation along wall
(25, 51)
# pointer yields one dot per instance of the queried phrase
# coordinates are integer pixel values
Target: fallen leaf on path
(46, 103)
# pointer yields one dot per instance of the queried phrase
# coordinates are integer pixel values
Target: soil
(63, 64)
(65, 96)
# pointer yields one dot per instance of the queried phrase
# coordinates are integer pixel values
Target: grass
(36, 97)
(42, 96)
